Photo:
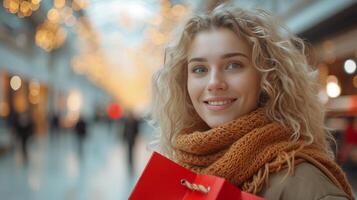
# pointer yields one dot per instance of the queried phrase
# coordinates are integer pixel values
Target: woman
(236, 98)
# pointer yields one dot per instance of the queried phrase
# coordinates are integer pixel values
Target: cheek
(247, 86)
(191, 89)
(253, 89)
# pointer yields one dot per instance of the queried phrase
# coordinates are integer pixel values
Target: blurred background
(75, 87)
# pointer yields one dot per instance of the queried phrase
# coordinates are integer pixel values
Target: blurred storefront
(36, 67)
(20, 95)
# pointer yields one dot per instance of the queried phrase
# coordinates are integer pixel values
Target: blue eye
(234, 66)
(199, 69)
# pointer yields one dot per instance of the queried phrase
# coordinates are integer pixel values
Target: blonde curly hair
(289, 85)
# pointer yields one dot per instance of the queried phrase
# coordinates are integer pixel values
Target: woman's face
(222, 83)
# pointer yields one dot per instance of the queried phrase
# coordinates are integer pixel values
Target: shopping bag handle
(195, 187)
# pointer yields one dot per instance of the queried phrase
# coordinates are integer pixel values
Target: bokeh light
(74, 101)
(333, 89)
(114, 111)
(15, 82)
(350, 66)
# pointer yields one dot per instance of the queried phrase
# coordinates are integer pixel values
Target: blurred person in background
(236, 98)
(54, 126)
(11, 121)
(55, 122)
(24, 129)
(130, 133)
(81, 133)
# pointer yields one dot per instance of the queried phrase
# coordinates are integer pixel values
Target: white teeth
(219, 103)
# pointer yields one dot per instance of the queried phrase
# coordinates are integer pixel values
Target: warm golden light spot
(35, 7)
(34, 87)
(79, 4)
(14, 6)
(59, 3)
(50, 36)
(333, 89)
(35, 1)
(25, 7)
(15, 83)
(53, 15)
(178, 10)
(6, 4)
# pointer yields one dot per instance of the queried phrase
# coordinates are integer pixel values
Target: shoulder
(307, 182)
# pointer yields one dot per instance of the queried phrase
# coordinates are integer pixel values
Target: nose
(217, 81)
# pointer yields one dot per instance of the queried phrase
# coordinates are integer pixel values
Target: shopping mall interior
(83, 66)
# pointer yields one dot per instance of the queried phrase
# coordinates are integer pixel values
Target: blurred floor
(56, 170)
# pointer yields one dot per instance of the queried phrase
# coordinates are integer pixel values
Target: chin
(217, 122)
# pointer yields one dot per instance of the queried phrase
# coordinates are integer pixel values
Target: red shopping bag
(163, 179)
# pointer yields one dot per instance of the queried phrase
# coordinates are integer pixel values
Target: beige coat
(307, 183)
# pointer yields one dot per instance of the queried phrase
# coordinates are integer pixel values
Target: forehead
(217, 42)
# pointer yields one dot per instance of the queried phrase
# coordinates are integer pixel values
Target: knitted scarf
(246, 150)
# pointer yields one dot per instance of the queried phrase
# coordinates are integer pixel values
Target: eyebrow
(228, 55)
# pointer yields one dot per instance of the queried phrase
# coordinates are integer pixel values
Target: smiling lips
(217, 104)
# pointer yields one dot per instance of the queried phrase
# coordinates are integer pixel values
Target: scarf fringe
(261, 178)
